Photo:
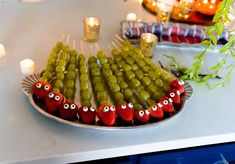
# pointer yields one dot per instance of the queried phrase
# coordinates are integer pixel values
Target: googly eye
(130, 105)
(178, 92)
(154, 108)
(106, 109)
(165, 102)
(112, 108)
(170, 100)
(51, 95)
(172, 94)
(46, 87)
(66, 106)
(159, 105)
(38, 85)
(85, 109)
(92, 109)
(123, 106)
(141, 113)
(57, 98)
(72, 106)
(147, 112)
(181, 82)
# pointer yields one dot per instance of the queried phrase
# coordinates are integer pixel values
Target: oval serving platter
(26, 86)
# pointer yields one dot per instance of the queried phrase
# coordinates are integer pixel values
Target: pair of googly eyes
(51, 95)
(172, 94)
(106, 108)
(166, 102)
(130, 105)
(85, 109)
(154, 108)
(181, 82)
(72, 106)
(39, 85)
(141, 113)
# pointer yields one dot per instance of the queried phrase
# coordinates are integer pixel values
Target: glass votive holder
(91, 29)
(163, 12)
(147, 43)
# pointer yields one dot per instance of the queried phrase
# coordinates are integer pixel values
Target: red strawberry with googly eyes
(178, 85)
(174, 95)
(156, 111)
(107, 114)
(68, 110)
(41, 89)
(87, 114)
(125, 111)
(53, 100)
(142, 116)
(167, 105)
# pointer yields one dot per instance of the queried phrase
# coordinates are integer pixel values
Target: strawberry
(107, 114)
(68, 110)
(167, 105)
(53, 100)
(125, 111)
(156, 111)
(87, 114)
(177, 84)
(41, 89)
(142, 116)
(174, 95)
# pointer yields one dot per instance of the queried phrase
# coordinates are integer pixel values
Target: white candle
(131, 17)
(27, 66)
(2, 50)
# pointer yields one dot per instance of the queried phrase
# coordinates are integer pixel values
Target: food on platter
(121, 88)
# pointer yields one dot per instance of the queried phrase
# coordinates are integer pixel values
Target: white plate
(26, 86)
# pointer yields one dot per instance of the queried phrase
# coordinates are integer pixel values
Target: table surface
(31, 30)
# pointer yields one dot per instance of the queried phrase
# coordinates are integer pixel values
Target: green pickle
(99, 88)
(127, 93)
(146, 81)
(97, 79)
(130, 75)
(71, 75)
(86, 95)
(83, 85)
(112, 79)
(83, 77)
(59, 84)
(60, 76)
(135, 82)
(70, 83)
(144, 95)
(115, 87)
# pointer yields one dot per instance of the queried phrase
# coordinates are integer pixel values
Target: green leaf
(214, 40)
(205, 43)
(225, 48)
(219, 28)
(232, 53)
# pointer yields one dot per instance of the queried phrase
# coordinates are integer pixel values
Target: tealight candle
(131, 17)
(27, 66)
(2, 51)
(147, 43)
(91, 29)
